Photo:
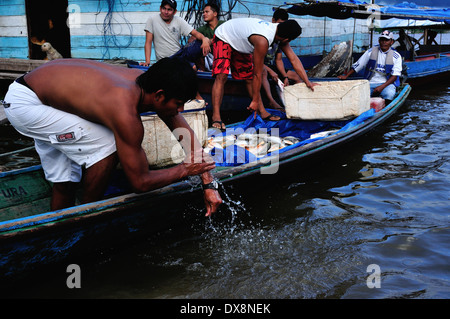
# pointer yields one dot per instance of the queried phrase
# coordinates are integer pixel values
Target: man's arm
(358, 65)
(280, 66)
(191, 39)
(148, 47)
(206, 42)
(271, 73)
(297, 65)
(129, 132)
(194, 154)
(345, 76)
(261, 45)
(381, 87)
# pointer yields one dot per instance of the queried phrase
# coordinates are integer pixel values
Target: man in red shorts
(241, 45)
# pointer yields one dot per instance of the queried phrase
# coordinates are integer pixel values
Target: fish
(323, 134)
(260, 149)
(290, 140)
(258, 144)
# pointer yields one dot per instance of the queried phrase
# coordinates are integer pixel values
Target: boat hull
(50, 237)
(427, 69)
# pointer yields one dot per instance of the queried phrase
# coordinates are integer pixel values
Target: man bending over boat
(241, 45)
(383, 67)
(84, 113)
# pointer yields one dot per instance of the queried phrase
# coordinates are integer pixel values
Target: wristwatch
(213, 185)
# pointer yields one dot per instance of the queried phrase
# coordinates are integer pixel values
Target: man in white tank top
(241, 45)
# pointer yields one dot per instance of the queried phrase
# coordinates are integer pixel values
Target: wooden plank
(8, 43)
(24, 190)
(125, 53)
(96, 6)
(19, 65)
(17, 8)
(13, 21)
(9, 76)
(15, 50)
(13, 31)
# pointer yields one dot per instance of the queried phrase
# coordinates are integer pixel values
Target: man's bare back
(92, 90)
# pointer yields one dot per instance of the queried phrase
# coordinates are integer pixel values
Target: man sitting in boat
(165, 30)
(383, 67)
(241, 45)
(405, 43)
(210, 16)
(86, 114)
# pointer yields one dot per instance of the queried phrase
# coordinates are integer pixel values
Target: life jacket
(371, 65)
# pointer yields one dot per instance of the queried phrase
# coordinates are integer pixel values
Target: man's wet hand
(212, 201)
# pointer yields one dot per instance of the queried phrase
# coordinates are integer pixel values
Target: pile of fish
(258, 144)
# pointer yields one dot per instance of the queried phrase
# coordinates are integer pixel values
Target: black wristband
(213, 185)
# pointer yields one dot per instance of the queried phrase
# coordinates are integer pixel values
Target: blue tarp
(358, 9)
(235, 155)
(410, 10)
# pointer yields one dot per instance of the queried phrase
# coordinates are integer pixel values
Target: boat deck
(10, 69)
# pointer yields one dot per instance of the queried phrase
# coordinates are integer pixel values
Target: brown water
(309, 232)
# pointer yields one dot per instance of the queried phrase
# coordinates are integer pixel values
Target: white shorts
(65, 142)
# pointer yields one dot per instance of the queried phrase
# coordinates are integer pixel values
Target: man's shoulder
(153, 21)
(179, 20)
(154, 17)
(396, 54)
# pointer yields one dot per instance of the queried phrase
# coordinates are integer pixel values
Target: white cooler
(330, 101)
(161, 146)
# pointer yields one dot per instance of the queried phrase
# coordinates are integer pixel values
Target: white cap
(387, 35)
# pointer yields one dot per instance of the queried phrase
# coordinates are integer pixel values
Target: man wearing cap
(165, 31)
(241, 45)
(382, 67)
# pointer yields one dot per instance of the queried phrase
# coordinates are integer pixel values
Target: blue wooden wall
(93, 36)
(13, 29)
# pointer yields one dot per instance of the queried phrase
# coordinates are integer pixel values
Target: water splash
(233, 205)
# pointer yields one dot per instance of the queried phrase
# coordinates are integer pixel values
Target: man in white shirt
(383, 67)
(165, 31)
(241, 45)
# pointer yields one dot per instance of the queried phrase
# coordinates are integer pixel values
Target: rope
(109, 37)
(192, 8)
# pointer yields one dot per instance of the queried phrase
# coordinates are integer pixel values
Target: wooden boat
(430, 63)
(32, 235)
(427, 68)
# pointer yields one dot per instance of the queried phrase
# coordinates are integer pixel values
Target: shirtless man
(87, 114)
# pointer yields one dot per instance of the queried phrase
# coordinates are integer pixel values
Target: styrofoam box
(330, 101)
(161, 146)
